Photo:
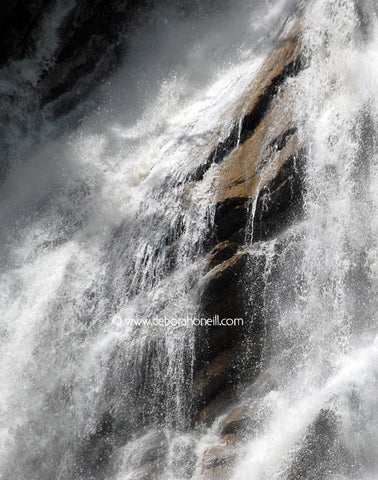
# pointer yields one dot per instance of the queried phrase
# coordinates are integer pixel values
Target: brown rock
(255, 163)
(230, 439)
(217, 462)
(221, 252)
(217, 473)
(284, 61)
(262, 177)
(235, 421)
(223, 296)
(223, 276)
(268, 140)
(218, 406)
(219, 373)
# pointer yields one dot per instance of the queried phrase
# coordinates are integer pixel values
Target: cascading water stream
(101, 226)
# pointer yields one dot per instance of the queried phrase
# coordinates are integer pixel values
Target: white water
(324, 339)
(85, 220)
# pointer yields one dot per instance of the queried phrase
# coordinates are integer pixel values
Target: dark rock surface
(236, 421)
(322, 451)
(91, 40)
(19, 24)
(222, 252)
(259, 193)
(219, 373)
(95, 37)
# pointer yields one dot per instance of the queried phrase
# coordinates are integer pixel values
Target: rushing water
(98, 225)
(324, 338)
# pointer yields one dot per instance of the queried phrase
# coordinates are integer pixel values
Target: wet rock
(259, 160)
(7, 8)
(285, 61)
(214, 377)
(262, 175)
(215, 298)
(321, 452)
(183, 460)
(230, 219)
(94, 456)
(230, 439)
(218, 406)
(93, 39)
(262, 178)
(215, 456)
(223, 296)
(147, 472)
(220, 472)
(236, 421)
(217, 463)
(227, 356)
(280, 202)
(221, 252)
(147, 457)
(155, 451)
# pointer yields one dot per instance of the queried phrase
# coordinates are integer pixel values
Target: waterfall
(318, 417)
(107, 219)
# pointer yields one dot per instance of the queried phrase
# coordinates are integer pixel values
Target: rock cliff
(258, 194)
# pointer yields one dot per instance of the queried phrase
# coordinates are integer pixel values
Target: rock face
(257, 194)
(95, 36)
(322, 451)
(92, 37)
